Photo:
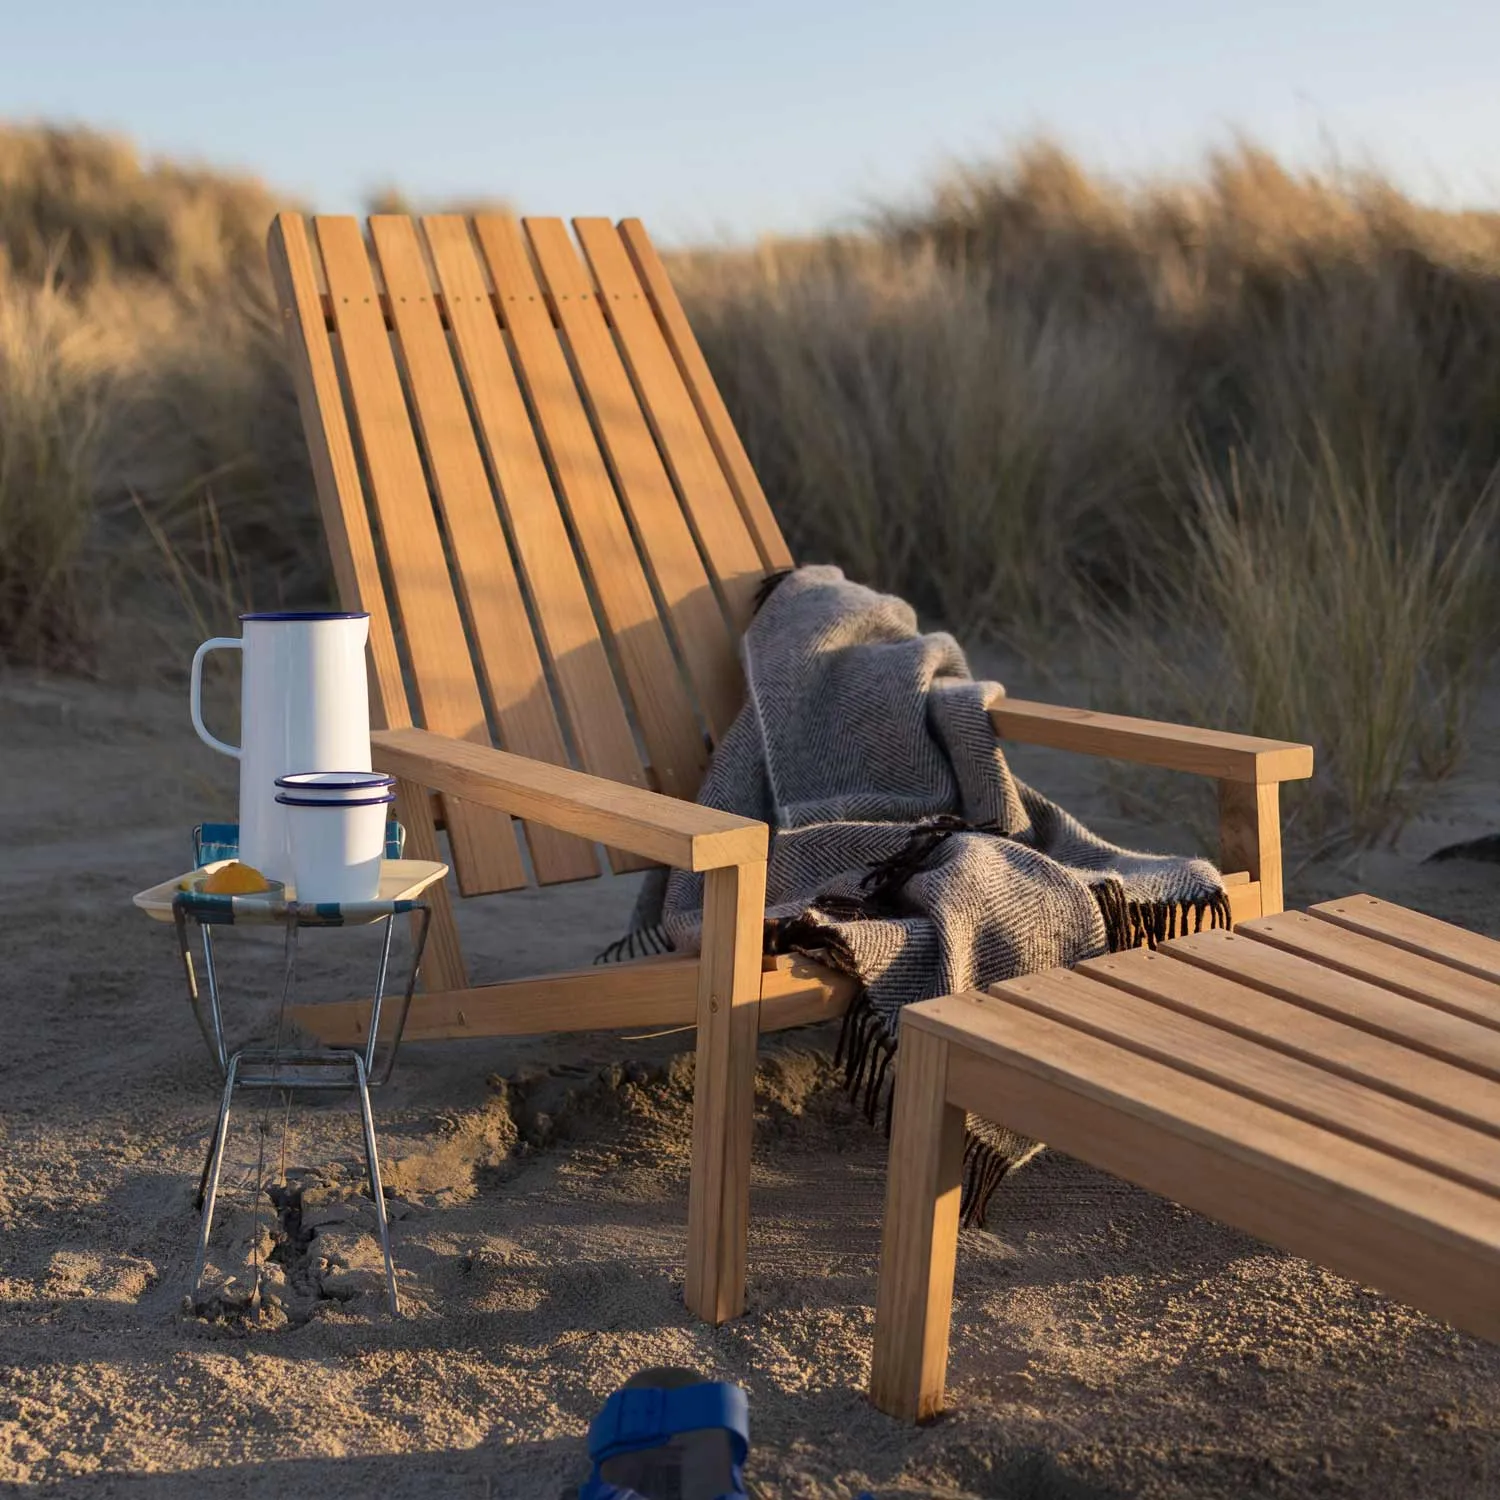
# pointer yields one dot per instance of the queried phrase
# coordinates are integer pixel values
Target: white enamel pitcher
(304, 706)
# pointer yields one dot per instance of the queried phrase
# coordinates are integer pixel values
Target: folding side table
(258, 1066)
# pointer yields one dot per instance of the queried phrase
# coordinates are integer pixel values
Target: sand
(1104, 1341)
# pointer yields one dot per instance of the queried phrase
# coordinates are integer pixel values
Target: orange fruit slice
(235, 879)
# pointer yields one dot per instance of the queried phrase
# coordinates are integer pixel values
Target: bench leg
(914, 1300)
(729, 980)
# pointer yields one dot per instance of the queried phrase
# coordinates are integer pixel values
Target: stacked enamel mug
(337, 821)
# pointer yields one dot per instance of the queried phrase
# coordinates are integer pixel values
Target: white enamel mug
(304, 701)
(336, 847)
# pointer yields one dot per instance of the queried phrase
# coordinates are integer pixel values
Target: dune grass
(1232, 439)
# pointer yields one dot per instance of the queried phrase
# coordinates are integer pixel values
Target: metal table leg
(372, 1160)
(215, 1166)
(233, 1068)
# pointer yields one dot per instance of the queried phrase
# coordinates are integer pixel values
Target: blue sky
(711, 119)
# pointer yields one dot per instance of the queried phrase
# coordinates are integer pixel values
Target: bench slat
(1350, 952)
(1382, 1011)
(1415, 932)
(1233, 1062)
(1315, 1038)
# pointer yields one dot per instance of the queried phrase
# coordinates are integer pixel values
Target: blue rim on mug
(307, 614)
(286, 801)
(353, 781)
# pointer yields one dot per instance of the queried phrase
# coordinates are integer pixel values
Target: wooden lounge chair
(530, 482)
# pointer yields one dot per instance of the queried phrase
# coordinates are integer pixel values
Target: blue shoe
(668, 1434)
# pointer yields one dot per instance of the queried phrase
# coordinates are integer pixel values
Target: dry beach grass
(1196, 424)
(1222, 450)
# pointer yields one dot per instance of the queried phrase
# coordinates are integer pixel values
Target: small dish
(275, 889)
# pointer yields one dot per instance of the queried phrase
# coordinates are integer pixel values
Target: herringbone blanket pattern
(903, 851)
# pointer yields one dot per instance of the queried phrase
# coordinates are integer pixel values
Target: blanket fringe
(1148, 924)
(986, 1165)
(643, 942)
(866, 1052)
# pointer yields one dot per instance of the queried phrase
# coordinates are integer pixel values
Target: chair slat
(665, 539)
(346, 523)
(717, 522)
(1298, 1088)
(486, 855)
(565, 618)
(524, 715)
(1375, 1061)
(716, 419)
(1415, 932)
(1393, 968)
(663, 710)
(1382, 1011)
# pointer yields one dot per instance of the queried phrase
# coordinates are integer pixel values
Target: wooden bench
(1328, 1081)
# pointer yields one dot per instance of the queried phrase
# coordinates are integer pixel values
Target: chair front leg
(443, 964)
(1250, 836)
(729, 981)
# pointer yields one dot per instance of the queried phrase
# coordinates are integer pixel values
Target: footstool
(1326, 1080)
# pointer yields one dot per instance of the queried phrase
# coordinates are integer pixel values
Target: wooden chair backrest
(530, 482)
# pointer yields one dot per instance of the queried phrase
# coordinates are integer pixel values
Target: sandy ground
(1105, 1342)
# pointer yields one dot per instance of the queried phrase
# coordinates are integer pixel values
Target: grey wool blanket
(903, 851)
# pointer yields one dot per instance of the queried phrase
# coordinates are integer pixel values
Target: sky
(725, 121)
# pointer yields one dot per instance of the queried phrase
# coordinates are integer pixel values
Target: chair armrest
(1172, 747)
(682, 834)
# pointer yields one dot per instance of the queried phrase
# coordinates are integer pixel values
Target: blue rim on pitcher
(307, 614)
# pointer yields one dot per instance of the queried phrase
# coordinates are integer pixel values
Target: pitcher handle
(195, 691)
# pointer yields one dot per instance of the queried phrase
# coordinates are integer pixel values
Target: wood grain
(590, 697)
(1423, 1238)
(682, 834)
(1426, 979)
(1375, 1061)
(1415, 932)
(1244, 899)
(643, 995)
(486, 856)
(1172, 747)
(666, 542)
(663, 710)
(1371, 1007)
(330, 446)
(1250, 835)
(720, 529)
(506, 647)
(774, 552)
(443, 961)
(919, 1236)
(1295, 1086)
(729, 978)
